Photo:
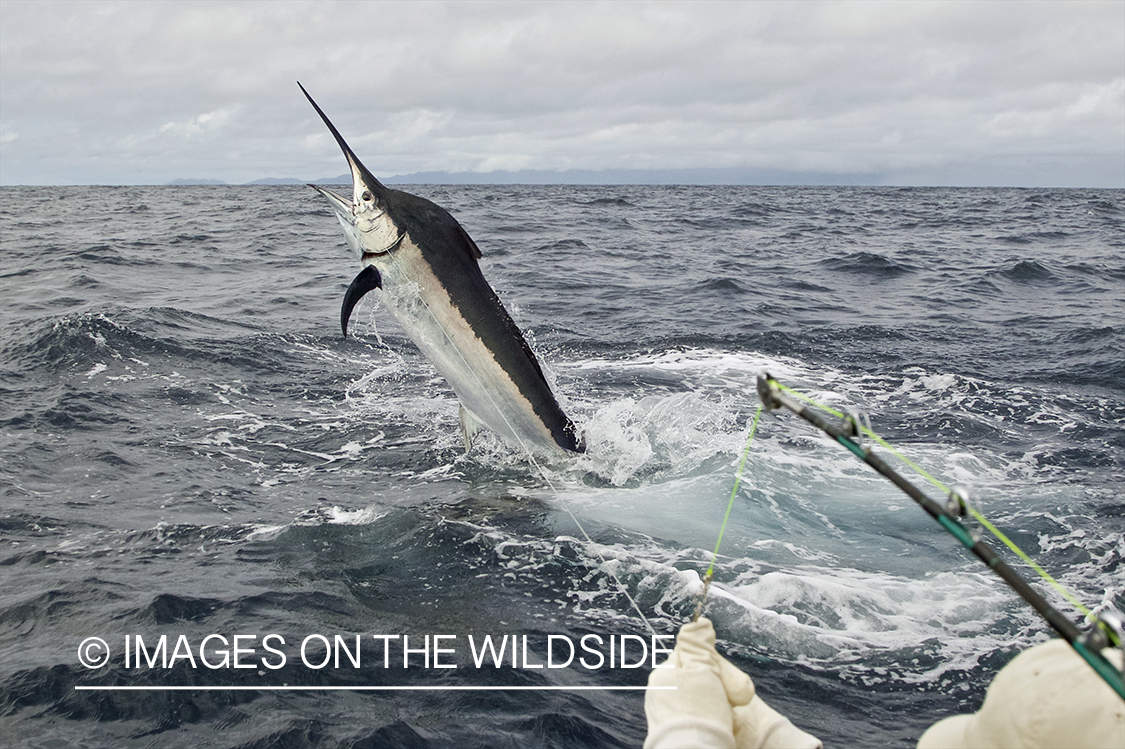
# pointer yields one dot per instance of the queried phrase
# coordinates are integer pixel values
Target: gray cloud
(920, 93)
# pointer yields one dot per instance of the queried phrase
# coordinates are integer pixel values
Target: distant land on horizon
(731, 176)
(587, 177)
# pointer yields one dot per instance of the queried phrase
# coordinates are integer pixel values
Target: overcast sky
(962, 93)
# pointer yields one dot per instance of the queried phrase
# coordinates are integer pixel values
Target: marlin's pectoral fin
(367, 280)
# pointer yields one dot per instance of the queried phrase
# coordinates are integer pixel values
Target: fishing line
(1107, 629)
(726, 517)
(531, 457)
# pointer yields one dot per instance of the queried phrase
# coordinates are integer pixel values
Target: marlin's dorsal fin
(470, 245)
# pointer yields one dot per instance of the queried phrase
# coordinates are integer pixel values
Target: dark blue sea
(190, 450)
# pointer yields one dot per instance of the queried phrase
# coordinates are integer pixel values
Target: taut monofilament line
(723, 528)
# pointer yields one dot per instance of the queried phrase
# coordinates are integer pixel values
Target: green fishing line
(726, 517)
(734, 491)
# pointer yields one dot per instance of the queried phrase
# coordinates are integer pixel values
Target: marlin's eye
(366, 196)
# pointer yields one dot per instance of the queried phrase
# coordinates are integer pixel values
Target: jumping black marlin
(426, 265)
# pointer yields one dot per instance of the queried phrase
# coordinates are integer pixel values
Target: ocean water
(189, 449)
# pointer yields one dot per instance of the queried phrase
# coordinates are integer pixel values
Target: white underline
(358, 689)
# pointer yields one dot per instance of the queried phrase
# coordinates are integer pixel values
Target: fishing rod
(1109, 626)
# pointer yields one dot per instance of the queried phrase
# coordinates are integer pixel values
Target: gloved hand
(699, 711)
(759, 726)
(713, 705)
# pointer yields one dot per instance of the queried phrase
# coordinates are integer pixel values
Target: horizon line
(689, 176)
(403, 181)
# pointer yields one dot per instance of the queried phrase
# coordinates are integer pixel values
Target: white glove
(713, 705)
(759, 726)
(699, 712)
